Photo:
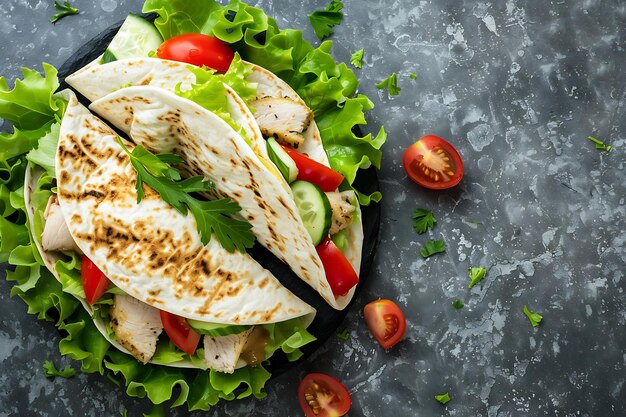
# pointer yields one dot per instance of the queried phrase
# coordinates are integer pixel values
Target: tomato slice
(386, 322)
(321, 395)
(339, 272)
(197, 49)
(180, 333)
(95, 283)
(314, 172)
(433, 163)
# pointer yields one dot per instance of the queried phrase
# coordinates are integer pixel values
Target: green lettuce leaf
(177, 17)
(289, 336)
(45, 152)
(31, 105)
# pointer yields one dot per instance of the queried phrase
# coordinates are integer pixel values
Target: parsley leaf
(476, 275)
(212, 217)
(443, 398)
(344, 335)
(423, 220)
(66, 10)
(391, 84)
(413, 75)
(357, 59)
(51, 371)
(324, 20)
(599, 144)
(534, 318)
(432, 247)
(458, 304)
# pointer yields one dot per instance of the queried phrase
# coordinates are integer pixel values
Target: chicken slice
(343, 210)
(283, 118)
(221, 353)
(56, 235)
(136, 325)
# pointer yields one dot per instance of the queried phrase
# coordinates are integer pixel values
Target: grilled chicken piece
(136, 325)
(221, 353)
(56, 235)
(343, 210)
(283, 118)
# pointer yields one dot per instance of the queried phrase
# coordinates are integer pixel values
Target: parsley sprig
(65, 10)
(476, 275)
(443, 398)
(432, 247)
(324, 20)
(599, 144)
(423, 220)
(391, 84)
(212, 217)
(51, 371)
(357, 59)
(534, 318)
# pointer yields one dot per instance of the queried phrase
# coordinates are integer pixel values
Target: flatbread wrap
(249, 118)
(151, 253)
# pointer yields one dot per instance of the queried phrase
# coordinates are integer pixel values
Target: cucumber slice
(135, 39)
(283, 162)
(215, 329)
(314, 208)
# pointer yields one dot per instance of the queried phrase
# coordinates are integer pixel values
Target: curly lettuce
(327, 87)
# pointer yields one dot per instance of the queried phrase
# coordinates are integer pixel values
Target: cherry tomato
(433, 163)
(339, 272)
(180, 333)
(314, 172)
(197, 49)
(386, 322)
(95, 283)
(321, 395)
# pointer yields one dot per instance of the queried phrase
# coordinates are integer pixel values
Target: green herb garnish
(458, 304)
(391, 84)
(413, 75)
(211, 216)
(599, 144)
(324, 20)
(344, 335)
(534, 318)
(443, 398)
(51, 371)
(357, 59)
(65, 10)
(423, 220)
(476, 275)
(432, 247)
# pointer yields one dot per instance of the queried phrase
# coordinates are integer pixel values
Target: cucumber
(135, 39)
(215, 329)
(283, 162)
(314, 208)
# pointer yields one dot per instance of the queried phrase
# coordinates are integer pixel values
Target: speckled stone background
(517, 86)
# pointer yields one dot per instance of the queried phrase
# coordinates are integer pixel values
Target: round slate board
(327, 320)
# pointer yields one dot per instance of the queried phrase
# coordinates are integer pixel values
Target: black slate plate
(327, 320)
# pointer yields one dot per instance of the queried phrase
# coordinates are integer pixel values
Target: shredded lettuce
(328, 88)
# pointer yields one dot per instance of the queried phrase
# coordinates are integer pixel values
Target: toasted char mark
(270, 314)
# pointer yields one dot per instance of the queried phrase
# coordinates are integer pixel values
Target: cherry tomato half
(433, 163)
(197, 49)
(314, 172)
(339, 272)
(180, 333)
(386, 322)
(321, 395)
(95, 283)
